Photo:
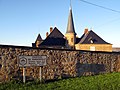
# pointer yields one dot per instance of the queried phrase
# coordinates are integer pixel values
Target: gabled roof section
(92, 38)
(39, 38)
(79, 39)
(70, 25)
(55, 38)
(55, 34)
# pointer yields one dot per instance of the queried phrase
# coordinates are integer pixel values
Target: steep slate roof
(55, 38)
(70, 25)
(39, 38)
(56, 33)
(77, 40)
(86, 39)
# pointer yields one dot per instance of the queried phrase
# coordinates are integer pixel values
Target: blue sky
(22, 20)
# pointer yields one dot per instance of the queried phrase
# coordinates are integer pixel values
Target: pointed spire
(70, 25)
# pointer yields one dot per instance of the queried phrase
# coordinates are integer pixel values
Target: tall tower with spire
(70, 33)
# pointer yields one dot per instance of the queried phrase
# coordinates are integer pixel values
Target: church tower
(70, 33)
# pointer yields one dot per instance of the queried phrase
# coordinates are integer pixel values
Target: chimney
(86, 31)
(47, 34)
(51, 29)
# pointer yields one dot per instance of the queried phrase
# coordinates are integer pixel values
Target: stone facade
(94, 47)
(71, 39)
(60, 63)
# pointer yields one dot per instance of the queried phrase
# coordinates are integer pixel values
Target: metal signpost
(28, 61)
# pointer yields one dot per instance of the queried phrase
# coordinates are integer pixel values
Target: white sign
(92, 48)
(27, 61)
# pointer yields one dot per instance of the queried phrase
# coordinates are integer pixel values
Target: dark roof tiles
(56, 34)
(39, 38)
(55, 38)
(53, 42)
(92, 38)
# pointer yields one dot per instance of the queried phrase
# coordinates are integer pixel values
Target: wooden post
(23, 74)
(40, 74)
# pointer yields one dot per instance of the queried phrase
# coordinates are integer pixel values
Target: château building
(88, 41)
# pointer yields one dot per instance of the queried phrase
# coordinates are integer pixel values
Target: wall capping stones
(28, 47)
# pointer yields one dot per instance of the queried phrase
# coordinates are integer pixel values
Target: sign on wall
(27, 61)
(92, 48)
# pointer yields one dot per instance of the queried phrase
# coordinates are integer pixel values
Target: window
(91, 41)
(71, 39)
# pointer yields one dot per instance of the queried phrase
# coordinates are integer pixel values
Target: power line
(100, 6)
(106, 23)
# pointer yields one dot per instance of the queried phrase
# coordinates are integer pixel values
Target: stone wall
(60, 63)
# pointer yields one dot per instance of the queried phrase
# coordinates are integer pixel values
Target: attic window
(91, 41)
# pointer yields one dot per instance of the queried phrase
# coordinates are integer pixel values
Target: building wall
(94, 47)
(71, 39)
(60, 63)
